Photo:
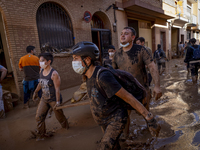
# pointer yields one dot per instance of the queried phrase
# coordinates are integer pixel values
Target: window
(54, 26)
(188, 34)
(97, 22)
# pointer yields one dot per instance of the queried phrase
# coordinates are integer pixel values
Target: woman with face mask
(51, 97)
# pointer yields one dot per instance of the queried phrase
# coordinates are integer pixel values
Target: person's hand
(35, 95)
(57, 105)
(157, 93)
(154, 127)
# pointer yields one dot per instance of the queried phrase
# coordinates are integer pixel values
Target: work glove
(154, 127)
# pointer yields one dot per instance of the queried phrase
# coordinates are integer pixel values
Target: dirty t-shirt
(105, 108)
(133, 61)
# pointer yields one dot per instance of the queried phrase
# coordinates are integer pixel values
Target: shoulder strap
(100, 89)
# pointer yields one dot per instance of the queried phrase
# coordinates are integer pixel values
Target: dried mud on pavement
(177, 111)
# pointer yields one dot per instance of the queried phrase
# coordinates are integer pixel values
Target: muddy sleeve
(146, 56)
(109, 84)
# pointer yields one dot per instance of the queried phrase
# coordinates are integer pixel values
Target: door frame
(100, 44)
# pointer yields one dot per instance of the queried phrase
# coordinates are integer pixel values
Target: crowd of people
(105, 91)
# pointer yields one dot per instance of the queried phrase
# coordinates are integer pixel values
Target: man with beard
(133, 58)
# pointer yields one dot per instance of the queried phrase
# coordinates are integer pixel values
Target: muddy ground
(177, 111)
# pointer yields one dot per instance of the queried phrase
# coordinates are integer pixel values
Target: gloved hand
(154, 127)
(57, 105)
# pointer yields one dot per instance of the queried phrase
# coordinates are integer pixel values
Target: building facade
(63, 23)
(58, 23)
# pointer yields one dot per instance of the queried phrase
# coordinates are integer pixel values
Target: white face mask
(111, 54)
(77, 66)
(124, 45)
(42, 65)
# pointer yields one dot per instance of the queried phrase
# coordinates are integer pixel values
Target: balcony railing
(187, 13)
(194, 19)
(170, 2)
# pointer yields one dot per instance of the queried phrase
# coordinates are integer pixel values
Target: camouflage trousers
(112, 132)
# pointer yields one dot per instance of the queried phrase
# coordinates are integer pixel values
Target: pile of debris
(48, 48)
(10, 100)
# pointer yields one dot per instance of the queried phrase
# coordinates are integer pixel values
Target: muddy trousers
(112, 132)
(41, 114)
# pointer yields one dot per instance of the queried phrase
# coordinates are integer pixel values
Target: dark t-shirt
(107, 61)
(133, 61)
(103, 109)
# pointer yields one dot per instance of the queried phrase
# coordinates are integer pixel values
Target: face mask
(124, 45)
(77, 66)
(111, 54)
(42, 65)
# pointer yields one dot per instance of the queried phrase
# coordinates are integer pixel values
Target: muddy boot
(154, 127)
(194, 79)
(65, 124)
(44, 136)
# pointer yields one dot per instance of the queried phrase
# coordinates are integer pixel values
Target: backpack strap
(100, 89)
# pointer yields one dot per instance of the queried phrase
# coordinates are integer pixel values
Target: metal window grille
(54, 26)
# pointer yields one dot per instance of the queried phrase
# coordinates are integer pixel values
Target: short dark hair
(159, 46)
(193, 40)
(141, 39)
(47, 56)
(132, 30)
(30, 48)
(111, 47)
(180, 42)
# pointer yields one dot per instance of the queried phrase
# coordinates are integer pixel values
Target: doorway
(102, 38)
(163, 41)
(174, 41)
(182, 38)
(134, 24)
(9, 82)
